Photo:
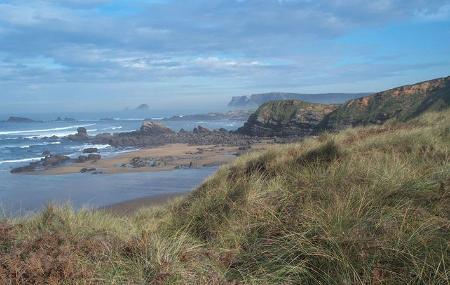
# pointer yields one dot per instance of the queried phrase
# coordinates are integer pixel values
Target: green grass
(363, 206)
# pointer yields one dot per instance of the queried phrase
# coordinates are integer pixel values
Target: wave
(129, 119)
(21, 160)
(112, 128)
(44, 130)
(39, 144)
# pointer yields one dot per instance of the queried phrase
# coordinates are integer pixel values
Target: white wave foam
(44, 130)
(21, 160)
(112, 128)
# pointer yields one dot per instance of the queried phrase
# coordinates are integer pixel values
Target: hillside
(255, 100)
(286, 118)
(364, 206)
(301, 118)
(402, 103)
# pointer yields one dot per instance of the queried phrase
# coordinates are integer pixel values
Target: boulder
(151, 128)
(82, 132)
(90, 150)
(81, 135)
(85, 170)
(90, 157)
(54, 160)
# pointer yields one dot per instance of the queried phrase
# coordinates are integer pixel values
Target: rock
(82, 132)
(90, 157)
(81, 135)
(84, 170)
(201, 130)
(151, 128)
(54, 160)
(24, 169)
(94, 157)
(46, 153)
(90, 150)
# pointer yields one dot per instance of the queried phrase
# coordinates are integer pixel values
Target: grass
(364, 206)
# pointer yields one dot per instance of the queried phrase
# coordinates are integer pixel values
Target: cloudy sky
(83, 55)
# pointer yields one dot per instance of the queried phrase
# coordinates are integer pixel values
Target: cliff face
(402, 103)
(256, 100)
(286, 118)
(298, 118)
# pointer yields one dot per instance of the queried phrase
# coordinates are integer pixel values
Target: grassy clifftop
(401, 103)
(364, 206)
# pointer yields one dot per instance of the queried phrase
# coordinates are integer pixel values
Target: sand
(175, 155)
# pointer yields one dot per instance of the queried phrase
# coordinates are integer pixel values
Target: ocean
(21, 143)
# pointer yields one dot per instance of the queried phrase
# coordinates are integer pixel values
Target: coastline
(169, 157)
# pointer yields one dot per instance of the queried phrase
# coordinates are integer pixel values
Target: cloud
(241, 43)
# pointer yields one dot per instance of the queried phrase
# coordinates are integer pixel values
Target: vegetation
(364, 206)
(402, 103)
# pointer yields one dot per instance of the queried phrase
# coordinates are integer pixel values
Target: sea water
(22, 143)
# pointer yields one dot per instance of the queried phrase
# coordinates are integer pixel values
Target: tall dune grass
(363, 206)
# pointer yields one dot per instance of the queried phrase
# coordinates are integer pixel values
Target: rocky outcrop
(49, 160)
(286, 118)
(201, 130)
(81, 135)
(90, 150)
(91, 157)
(256, 100)
(152, 128)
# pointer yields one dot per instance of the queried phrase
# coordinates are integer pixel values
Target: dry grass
(364, 206)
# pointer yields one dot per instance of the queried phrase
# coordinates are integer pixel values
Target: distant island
(255, 100)
(142, 107)
(13, 119)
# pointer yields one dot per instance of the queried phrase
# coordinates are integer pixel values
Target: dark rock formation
(201, 130)
(81, 135)
(50, 160)
(90, 157)
(54, 160)
(286, 118)
(90, 150)
(85, 170)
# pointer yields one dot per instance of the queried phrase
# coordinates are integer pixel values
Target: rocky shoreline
(156, 134)
(150, 135)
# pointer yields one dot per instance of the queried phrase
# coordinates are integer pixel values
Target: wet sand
(130, 207)
(173, 155)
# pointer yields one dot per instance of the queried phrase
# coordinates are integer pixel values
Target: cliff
(255, 100)
(298, 118)
(286, 118)
(402, 103)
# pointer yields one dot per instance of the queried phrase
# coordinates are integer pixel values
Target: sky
(87, 55)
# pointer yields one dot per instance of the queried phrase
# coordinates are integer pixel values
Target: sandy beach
(163, 158)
